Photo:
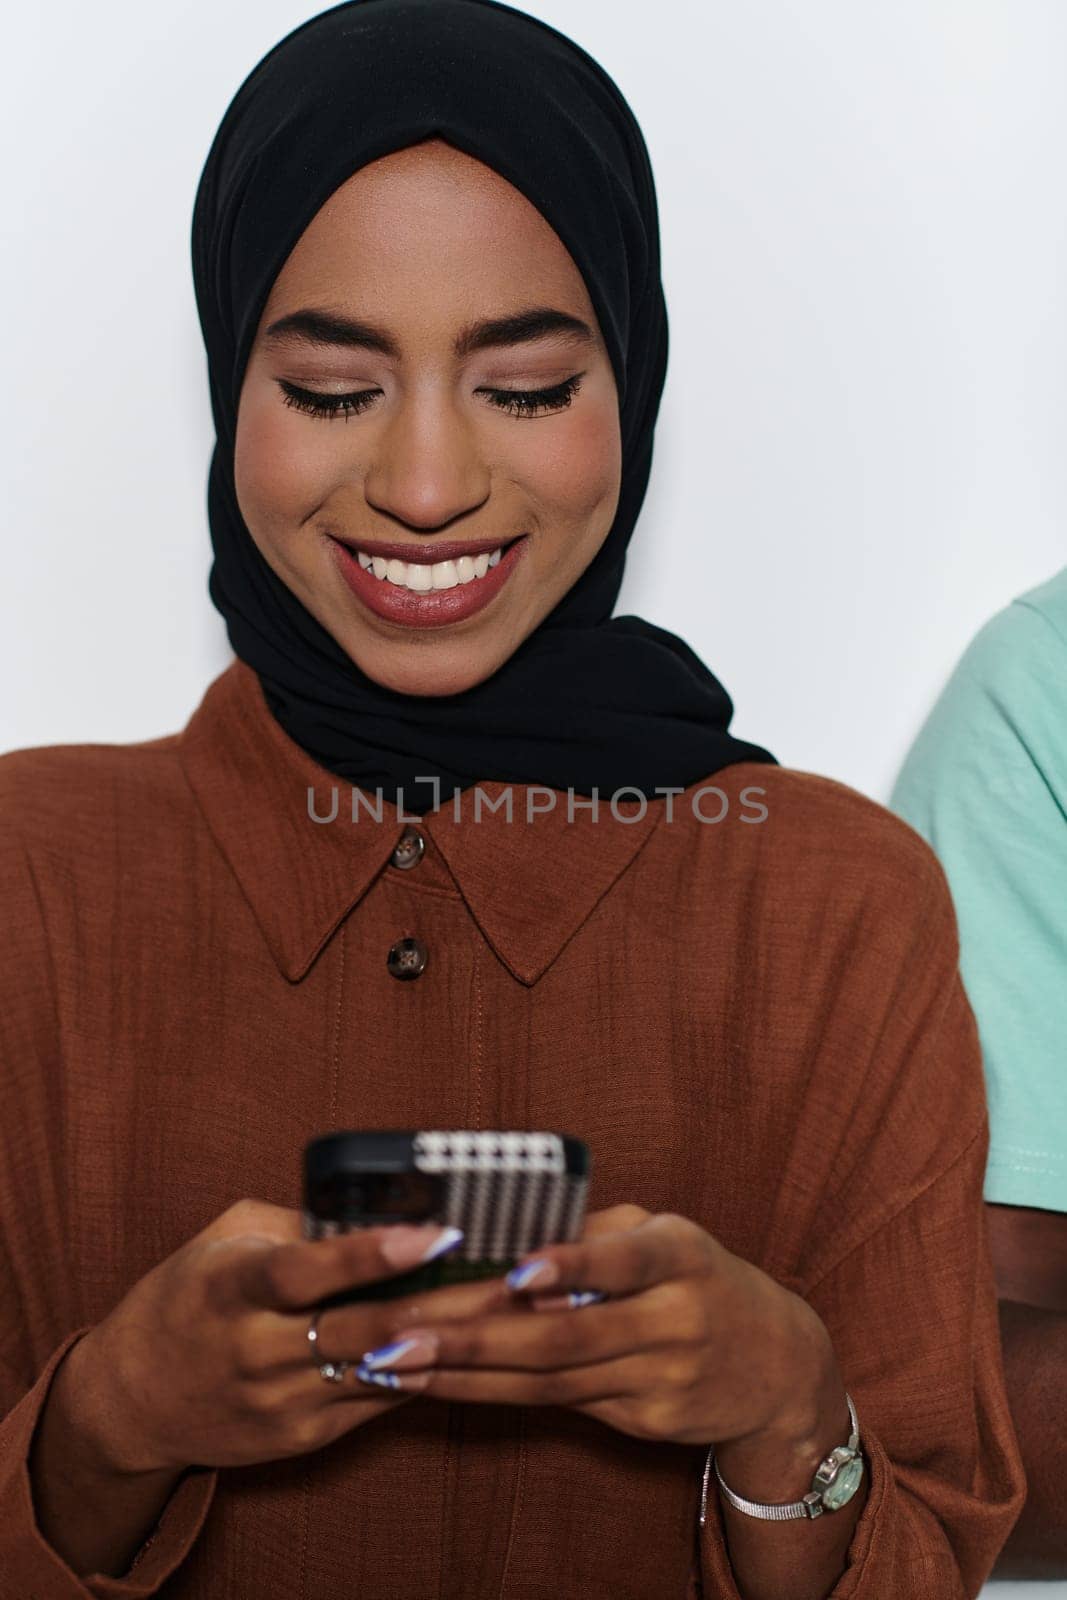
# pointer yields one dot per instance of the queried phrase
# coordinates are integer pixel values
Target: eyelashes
(514, 402)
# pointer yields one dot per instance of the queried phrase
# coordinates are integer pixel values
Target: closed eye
(516, 402)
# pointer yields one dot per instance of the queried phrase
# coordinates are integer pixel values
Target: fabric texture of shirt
(758, 1024)
(986, 784)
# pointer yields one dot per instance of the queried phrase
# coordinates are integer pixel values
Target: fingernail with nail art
(566, 1302)
(406, 1246)
(393, 1380)
(421, 1350)
(539, 1272)
(448, 1241)
(384, 1380)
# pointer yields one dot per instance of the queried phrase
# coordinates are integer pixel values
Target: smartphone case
(509, 1191)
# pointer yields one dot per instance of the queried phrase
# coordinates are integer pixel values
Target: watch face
(844, 1485)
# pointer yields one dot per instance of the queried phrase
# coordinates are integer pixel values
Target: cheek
(279, 466)
(579, 476)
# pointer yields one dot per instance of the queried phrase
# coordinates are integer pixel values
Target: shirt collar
(529, 885)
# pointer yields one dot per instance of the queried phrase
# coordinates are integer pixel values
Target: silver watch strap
(771, 1513)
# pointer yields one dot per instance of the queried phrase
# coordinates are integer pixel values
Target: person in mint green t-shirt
(985, 783)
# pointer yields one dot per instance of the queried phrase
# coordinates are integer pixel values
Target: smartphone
(510, 1192)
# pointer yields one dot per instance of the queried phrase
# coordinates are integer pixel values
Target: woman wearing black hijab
(341, 93)
(426, 260)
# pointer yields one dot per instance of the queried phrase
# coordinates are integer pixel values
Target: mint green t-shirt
(985, 783)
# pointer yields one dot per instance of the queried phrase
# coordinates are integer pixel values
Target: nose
(427, 468)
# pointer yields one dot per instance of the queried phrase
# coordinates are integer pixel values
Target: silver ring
(329, 1371)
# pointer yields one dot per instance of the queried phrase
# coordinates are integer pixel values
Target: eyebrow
(309, 326)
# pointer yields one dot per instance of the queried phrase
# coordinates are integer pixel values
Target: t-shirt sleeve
(885, 1177)
(985, 783)
(38, 1322)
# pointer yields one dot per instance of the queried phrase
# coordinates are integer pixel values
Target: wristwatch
(835, 1482)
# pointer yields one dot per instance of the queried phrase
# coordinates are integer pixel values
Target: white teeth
(444, 574)
(422, 576)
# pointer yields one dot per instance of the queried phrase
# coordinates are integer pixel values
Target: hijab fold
(588, 702)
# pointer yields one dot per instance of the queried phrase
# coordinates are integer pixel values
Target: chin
(426, 672)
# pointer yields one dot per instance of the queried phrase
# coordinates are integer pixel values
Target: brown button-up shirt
(747, 1003)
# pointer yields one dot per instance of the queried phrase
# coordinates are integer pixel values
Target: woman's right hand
(206, 1360)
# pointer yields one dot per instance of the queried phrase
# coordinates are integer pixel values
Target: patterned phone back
(509, 1191)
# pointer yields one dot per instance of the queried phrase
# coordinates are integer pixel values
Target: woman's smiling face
(420, 248)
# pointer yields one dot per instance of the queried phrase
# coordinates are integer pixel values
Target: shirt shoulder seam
(978, 1134)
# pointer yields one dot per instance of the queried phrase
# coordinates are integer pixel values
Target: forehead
(433, 226)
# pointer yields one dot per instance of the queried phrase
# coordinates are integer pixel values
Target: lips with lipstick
(430, 584)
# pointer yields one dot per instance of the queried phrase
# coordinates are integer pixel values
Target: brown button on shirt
(756, 1022)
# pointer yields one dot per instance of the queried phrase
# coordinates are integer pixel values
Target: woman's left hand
(693, 1344)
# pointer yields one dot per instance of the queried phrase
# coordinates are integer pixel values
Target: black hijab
(587, 702)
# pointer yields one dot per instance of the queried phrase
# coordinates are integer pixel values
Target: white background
(860, 451)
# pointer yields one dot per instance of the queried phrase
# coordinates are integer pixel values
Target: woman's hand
(693, 1343)
(206, 1360)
